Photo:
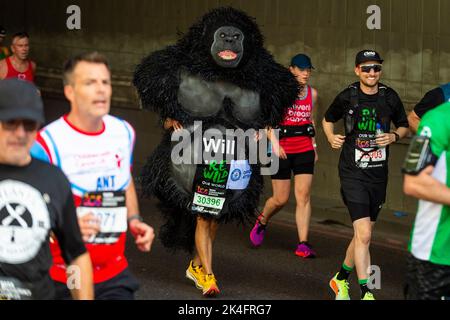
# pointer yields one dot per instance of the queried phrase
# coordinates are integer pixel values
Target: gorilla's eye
(236, 37)
(222, 35)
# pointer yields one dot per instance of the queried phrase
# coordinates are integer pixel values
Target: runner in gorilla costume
(220, 74)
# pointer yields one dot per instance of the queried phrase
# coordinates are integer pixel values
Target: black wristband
(397, 137)
(135, 217)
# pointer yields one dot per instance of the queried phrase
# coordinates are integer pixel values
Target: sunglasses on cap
(376, 68)
(28, 125)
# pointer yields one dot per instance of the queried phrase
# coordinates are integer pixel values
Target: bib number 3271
(110, 210)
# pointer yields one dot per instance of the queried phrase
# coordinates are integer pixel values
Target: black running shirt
(354, 162)
(34, 200)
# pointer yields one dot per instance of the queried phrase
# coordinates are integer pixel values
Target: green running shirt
(430, 237)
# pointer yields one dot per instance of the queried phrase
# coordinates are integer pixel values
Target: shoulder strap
(446, 89)
(349, 113)
(382, 95)
(354, 99)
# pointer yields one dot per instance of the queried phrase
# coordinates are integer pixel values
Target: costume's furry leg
(178, 230)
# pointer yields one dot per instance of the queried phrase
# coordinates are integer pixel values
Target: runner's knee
(303, 198)
(363, 235)
(280, 202)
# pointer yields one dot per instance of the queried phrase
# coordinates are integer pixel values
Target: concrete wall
(414, 40)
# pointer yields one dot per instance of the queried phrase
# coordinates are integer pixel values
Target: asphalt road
(271, 272)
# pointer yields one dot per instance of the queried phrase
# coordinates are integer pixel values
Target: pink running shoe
(305, 250)
(257, 233)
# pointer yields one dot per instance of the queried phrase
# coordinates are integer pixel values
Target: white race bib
(373, 156)
(111, 219)
(209, 202)
(110, 210)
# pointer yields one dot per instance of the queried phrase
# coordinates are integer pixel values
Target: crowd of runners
(68, 198)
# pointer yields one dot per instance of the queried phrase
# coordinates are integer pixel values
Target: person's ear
(68, 92)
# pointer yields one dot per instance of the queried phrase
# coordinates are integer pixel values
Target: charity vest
(98, 167)
(430, 236)
(13, 73)
(299, 114)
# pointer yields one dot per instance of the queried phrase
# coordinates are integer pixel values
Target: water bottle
(379, 131)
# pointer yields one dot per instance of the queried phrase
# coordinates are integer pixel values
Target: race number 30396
(208, 201)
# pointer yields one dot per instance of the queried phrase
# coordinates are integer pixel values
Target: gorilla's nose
(229, 40)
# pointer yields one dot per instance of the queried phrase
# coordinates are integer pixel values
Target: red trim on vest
(44, 145)
(85, 132)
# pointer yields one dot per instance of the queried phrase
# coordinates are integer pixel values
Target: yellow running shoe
(196, 274)
(210, 288)
(340, 288)
(368, 296)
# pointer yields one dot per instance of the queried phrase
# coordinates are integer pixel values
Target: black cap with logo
(367, 55)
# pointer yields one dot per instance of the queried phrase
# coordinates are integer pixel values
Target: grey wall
(414, 40)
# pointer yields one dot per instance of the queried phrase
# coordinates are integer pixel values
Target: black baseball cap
(2, 31)
(367, 55)
(20, 100)
(302, 61)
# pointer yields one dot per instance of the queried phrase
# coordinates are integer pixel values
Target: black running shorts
(298, 163)
(426, 280)
(363, 199)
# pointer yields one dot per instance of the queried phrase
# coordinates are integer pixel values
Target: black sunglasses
(376, 68)
(28, 125)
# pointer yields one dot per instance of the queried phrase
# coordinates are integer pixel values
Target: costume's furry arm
(157, 81)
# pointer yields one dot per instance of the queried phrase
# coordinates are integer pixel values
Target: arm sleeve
(438, 130)
(399, 114)
(432, 99)
(67, 230)
(336, 110)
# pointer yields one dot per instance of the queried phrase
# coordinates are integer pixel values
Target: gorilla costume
(220, 74)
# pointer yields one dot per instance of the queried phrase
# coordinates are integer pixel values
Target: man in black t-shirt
(35, 199)
(368, 108)
(431, 100)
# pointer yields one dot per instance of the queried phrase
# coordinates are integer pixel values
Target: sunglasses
(376, 68)
(28, 125)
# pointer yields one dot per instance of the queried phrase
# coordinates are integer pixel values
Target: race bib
(210, 184)
(13, 289)
(370, 156)
(209, 202)
(110, 209)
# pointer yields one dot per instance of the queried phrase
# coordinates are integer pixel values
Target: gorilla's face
(228, 47)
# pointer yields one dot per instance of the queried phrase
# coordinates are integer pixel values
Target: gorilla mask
(228, 47)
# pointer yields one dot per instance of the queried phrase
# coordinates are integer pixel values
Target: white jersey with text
(92, 162)
(98, 166)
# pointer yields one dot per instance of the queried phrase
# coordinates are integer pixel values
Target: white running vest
(92, 162)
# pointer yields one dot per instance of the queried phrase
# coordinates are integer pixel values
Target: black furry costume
(251, 92)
